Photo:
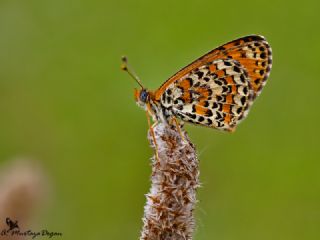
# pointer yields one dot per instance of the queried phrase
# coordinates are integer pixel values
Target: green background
(65, 102)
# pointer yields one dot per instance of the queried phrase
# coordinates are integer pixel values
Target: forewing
(252, 52)
(216, 95)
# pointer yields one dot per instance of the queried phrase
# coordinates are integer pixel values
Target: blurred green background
(65, 102)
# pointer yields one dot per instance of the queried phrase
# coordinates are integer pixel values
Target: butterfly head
(141, 96)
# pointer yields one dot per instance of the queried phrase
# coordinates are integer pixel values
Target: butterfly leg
(152, 134)
(174, 119)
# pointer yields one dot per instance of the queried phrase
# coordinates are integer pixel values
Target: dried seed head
(175, 178)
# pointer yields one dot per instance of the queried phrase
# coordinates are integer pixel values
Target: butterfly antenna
(125, 67)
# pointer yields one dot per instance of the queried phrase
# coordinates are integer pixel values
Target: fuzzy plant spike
(168, 213)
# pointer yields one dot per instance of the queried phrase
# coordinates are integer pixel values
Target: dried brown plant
(168, 214)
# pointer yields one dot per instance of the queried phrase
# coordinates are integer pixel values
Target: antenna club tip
(124, 67)
(124, 59)
(124, 63)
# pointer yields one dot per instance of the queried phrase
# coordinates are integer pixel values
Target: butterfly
(216, 90)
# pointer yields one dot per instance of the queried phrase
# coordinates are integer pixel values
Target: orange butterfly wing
(252, 52)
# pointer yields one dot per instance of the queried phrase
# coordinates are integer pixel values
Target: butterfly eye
(143, 95)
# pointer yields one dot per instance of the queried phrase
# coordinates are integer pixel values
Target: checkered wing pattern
(217, 89)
